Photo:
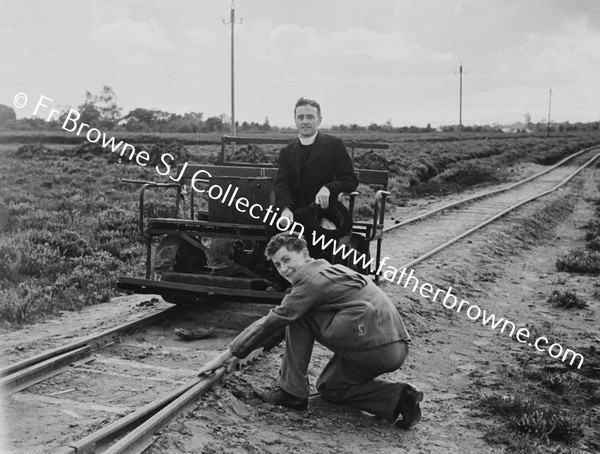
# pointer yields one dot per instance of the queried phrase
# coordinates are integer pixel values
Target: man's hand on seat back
(287, 213)
(322, 197)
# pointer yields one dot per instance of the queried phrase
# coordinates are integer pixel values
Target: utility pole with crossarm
(232, 22)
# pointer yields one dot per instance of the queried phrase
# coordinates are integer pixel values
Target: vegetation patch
(541, 422)
(68, 230)
(580, 261)
(32, 150)
(567, 299)
(249, 153)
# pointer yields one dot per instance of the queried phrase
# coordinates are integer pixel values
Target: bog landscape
(69, 229)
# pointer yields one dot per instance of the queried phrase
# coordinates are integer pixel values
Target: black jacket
(328, 165)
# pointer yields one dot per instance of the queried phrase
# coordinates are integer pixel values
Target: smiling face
(307, 120)
(288, 262)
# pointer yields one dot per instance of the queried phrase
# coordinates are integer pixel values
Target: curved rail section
(30, 371)
(489, 193)
(496, 216)
(139, 427)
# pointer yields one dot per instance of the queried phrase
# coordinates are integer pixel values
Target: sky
(364, 61)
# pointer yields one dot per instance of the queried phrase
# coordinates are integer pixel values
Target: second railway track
(459, 219)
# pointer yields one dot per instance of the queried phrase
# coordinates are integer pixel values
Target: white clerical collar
(308, 140)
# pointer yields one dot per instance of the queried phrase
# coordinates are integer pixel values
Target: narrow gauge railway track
(134, 432)
(459, 219)
(23, 374)
(140, 376)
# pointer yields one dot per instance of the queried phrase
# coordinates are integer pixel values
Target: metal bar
(146, 420)
(126, 423)
(39, 372)
(192, 204)
(150, 286)
(148, 256)
(285, 141)
(141, 217)
(140, 438)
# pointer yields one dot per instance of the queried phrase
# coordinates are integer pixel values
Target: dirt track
(507, 269)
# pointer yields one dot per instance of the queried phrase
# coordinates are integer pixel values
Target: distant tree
(106, 103)
(194, 120)
(89, 113)
(139, 119)
(373, 127)
(213, 124)
(266, 126)
(6, 114)
(98, 111)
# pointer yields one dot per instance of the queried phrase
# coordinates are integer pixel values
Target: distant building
(516, 127)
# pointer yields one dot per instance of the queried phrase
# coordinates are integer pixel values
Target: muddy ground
(508, 269)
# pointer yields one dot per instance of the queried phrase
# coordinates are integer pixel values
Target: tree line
(102, 111)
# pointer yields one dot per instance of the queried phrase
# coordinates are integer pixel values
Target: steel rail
(30, 371)
(142, 424)
(498, 215)
(488, 193)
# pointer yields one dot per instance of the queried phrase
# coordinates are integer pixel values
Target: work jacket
(344, 310)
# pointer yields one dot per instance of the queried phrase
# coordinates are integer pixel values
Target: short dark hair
(290, 242)
(307, 102)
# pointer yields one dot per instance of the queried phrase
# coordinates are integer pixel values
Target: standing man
(347, 313)
(315, 167)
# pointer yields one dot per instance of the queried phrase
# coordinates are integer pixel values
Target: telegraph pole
(460, 107)
(549, 107)
(232, 22)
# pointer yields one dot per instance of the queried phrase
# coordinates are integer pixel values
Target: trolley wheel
(174, 254)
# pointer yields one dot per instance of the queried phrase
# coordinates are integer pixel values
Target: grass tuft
(542, 423)
(566, 299)
(580, 261)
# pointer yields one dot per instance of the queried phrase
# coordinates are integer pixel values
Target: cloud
(291, 40)
(441, 56)
(201, 36)
(567, 60)
(124, 32)
(458, 7)
(572, 51)
(393, 46)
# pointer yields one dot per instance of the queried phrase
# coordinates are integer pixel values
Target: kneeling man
(347, 313)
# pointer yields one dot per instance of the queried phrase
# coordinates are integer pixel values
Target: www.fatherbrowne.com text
(448, 300)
